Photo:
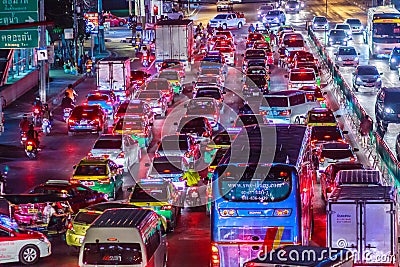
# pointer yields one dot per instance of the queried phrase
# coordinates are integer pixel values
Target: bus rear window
(255, 183)
(112, 254)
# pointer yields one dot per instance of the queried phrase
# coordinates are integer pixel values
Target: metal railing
(377, 151)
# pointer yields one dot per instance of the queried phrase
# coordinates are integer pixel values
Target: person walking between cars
(366, 126)
(191, 176)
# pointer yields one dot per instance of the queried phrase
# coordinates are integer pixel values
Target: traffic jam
(253, 156)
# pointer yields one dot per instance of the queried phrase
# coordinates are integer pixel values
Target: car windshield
(255, 183)
(277, 101)
(149, 95)
(195, 109)
(181, 145)
(367, 71)
(169, 75)
(157, 85)
(129, 125)
(273, 13)
(210, 71)
(83, 111)
(347, 51)
(302, 76)
(294, 43)
(353, 21)
(95, 170)
(209, 93)
(320, 19)
(342, 27)
(266, 8)
(250, 119)
(134, 108)
(220, 16)
(85, 217)
(107, 254)
(336, 153)
(326, 133)
(166, 168)
(97, 98)
(392, 98)
(256, 63)
(337, 33)
(108, 144)
(255, 53)
(137, 75)
(148, 193)
(321, 117)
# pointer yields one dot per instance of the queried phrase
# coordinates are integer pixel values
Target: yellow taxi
(100, 174)
(321, 117)
(173, 78)
(159, 195)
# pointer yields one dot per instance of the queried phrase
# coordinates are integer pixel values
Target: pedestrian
(80, 61)
(366, 126)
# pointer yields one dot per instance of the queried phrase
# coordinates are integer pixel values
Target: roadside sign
(42, 54)
(92, 22)
(50, 53)
(13, 12)
(69, 34)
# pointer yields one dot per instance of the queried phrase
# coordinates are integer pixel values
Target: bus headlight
(282, 212)
(393, 60)
(389, 110)
(339, 58)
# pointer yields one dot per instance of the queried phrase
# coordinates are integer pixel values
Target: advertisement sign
(92, 22)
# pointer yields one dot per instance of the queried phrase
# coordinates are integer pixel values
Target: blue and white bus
(262, 194)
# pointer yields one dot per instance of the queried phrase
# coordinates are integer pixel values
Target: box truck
(114, 74)
(364, 220)
(174, 40)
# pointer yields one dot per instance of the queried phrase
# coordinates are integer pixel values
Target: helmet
(38, 98)
(70, 86)
(31, 127)
(25, 116)
(46, 106)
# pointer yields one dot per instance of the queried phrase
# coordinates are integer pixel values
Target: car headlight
(259, 12)
(276, 19)
(339, 58)
(356, 59)
(345, 39)
(358, 79)
(378, 79)
(393, 60)
(389, 110)
(297, 6)
(330, 39)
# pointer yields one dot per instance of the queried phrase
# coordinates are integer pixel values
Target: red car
(87, 119)
(78, 196)
(114, 20)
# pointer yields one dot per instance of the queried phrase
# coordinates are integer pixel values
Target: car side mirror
(185, 105)
(324, 93)
(286, 76)
(147, 164)
(129, 189)
(175, 123)
(381, 73)
(345, 132)
(356, 149)
(338, 116)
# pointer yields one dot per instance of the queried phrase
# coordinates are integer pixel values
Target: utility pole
(130, 7)
(75, 6)
(42, 63)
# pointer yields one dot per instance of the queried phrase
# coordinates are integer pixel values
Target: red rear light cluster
(70, 226)
(121, 155)
(215, 260)
(167, 207)
(285, 112)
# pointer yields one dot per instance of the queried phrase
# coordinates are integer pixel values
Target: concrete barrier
(13, 91)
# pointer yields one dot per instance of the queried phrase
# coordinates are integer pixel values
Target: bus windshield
(255, 183)
(386, 30)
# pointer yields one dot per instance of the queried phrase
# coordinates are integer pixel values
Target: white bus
(382, 33)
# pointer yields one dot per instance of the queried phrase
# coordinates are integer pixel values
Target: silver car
(274, 17)
(346, 56)
(367, 76)
(292, 6)
(178, 145)
(207, 107)
(156, 101)
(319, 23)
(337, 37)
(121, 149)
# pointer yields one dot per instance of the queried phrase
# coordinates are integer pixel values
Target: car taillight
(73, 181)
(121, 155)
(329, 189)
(285, 112)
(313, 142)
(187, 154)
(309, 97)
(264, 112)
(89, 154)
(206, 134)
(70, 226)
(167, 207)
(104, 181)
(215, 260)
(232, 54)
(211, 169)
(352, 158)
(321, 159)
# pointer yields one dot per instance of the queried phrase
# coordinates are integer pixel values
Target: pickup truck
(227, 20)
(224, 5)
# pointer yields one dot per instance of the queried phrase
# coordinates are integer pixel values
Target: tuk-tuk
(296, 256)
(46, 213)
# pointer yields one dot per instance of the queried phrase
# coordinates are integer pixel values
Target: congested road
(191, 238)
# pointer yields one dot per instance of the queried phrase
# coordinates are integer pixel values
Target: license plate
(369, 84)
(83, 121)
(87, 183)
(29, 148)
(256, 93)
(32, 210)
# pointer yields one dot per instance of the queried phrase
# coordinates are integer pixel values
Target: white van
(286, 106)
(299, 77)
(125, 237)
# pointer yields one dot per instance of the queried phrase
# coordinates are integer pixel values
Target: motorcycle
(23, 138)
(31, 149)
(193, 197)
(37, 116)
(46, 126)
(3, 181)
(145, 61)
(67, 113)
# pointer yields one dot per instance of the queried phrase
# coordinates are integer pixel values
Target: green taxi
(221, 140)
(99, 173)
(173, 78)
(159, 195)
(137, 128)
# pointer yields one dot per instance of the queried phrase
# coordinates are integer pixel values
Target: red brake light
(206, 134)
(352, 159)
(89, 154)
(285, 112)
(70, 226)
(215, 260)
(121, 155)
(168, 207)
(321, 159)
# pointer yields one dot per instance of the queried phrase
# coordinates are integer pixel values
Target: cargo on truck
(115, 74)
(174, 40)
(363, 220)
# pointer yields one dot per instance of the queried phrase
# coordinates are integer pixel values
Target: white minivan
(299, 77)
(125, 237)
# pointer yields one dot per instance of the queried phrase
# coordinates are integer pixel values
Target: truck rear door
(378, 243)
(342, 231)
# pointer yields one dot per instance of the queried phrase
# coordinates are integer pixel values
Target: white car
(206, 106)
(23, 246)
(224, 5)
(346, 56)
(121, 149)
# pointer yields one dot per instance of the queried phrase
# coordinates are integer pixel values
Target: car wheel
(355, 87)
(224, 26)
(297, 120)
(71, 133)
(29, 255)
(121, 23)
(240, 25)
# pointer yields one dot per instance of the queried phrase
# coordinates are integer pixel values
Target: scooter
(193, 196)
(37, 116)
(31, 149)
(23, 138)
(145, 61)
(46, 126)
(67, 113)
(3, 181)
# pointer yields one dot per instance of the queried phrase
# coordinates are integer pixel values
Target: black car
(387, 107)
(78, 196)
(197, 127)
(394, 58)
(338, 37)
(87, 119)
(260, 77)
(138, 77)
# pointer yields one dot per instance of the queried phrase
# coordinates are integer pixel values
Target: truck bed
(386, 193)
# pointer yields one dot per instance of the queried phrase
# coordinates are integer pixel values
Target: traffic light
(155, 10)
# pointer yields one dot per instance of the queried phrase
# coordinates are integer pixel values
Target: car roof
(286, 93)
(174, 137)
(110, 137)
(107, 205)
(93, 160)
(336, 145)
(168, 159)
(366, 67)
(320, 110)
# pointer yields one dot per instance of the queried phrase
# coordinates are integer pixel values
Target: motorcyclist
(71, 92)
(24, 124)
(32, 134)
(37, 103)
(67, 102)
(251, 28)
(47, 114)
(191, 176)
